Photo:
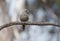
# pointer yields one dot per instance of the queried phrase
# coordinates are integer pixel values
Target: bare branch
(28, 23)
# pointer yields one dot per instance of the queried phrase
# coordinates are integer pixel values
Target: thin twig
(28, 23)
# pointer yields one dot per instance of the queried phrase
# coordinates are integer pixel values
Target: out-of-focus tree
(58, 10)
(58, 2)
(5, 34)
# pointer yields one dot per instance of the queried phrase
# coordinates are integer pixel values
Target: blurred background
(38, 11)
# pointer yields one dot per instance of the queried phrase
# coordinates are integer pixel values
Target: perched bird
(24, 17)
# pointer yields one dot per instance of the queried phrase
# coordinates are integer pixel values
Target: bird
(24, 16)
